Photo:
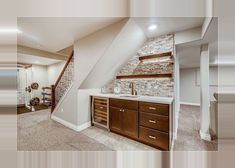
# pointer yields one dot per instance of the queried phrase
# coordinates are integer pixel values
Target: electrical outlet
(62, 110)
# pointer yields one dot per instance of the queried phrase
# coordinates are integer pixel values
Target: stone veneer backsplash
(65, 81)
(148, 86)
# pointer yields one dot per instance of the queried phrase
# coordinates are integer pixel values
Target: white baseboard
(74, 127)
(172, 145)
(83, 126)
(63, 122)
(175, 134)
(204, 136)
(177, 125)
(189, 103)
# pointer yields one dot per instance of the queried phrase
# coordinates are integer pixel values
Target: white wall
(87, 51)
(100, 50)
(189, 90)
(54, 71)
(43, 75)
(226, 78)
(39, 76)
(83, 102)
(221, 80)
(92, 47)
(125, 45)
(189, 35)
(21, 85)
(190, 83)
(122, 48)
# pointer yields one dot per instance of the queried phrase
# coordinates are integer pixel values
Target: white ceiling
(31, 59)
(189, 54)
(54, 34)
(168, 25)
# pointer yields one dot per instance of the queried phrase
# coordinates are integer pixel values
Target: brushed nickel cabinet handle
(152, 121)
(152, 137)
(123, 110)
(101, 107)
(120, 110)
(152, 108)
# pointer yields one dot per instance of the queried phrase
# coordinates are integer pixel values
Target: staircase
(64, 81)
(97, 60)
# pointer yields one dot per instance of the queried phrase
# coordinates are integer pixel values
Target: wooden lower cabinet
(154, 137)
(149, 123)
(130, 123)
(158, 122)
(124, 121)
(124, 117)
(115, 119)
(155, 126)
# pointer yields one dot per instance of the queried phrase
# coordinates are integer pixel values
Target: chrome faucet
(132, 86)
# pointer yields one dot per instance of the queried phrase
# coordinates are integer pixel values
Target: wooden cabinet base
(154, 137)
(139, 140)
(148, 123)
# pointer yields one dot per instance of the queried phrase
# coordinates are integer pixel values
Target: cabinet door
(130, 123)
(115, 119)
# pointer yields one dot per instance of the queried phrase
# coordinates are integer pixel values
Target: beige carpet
(188, 138)
(37, 132)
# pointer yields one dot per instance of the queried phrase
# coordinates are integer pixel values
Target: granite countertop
(151, 99)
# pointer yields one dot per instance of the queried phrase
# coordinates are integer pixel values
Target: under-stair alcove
(151, 70)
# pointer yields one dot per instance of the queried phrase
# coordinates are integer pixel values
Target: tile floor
(115, 141)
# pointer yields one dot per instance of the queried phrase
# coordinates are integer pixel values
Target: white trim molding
(205, 136)
(63, 122)
(189, 103)
(176, 131)
(74, 127)
(83, 126)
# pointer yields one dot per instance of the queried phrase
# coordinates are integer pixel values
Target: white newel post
(205, 96)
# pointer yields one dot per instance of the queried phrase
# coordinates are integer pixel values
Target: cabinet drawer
(100, 108)
(162, 109)
(124, 104)
(100, 101)
(154, 121)
(154, 137)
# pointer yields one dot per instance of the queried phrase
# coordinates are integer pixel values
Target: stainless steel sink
(130, 96)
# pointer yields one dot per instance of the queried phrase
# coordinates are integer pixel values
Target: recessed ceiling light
(9, 30)
(152, 27)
